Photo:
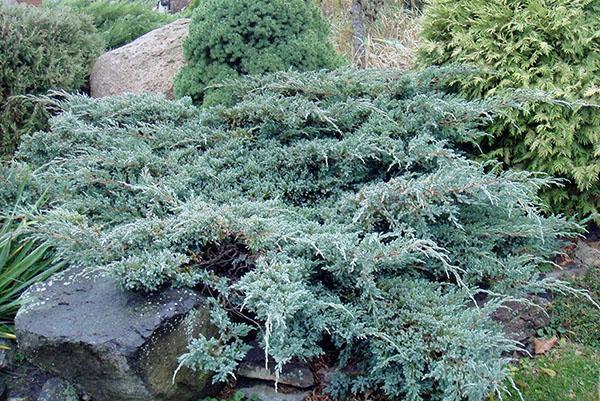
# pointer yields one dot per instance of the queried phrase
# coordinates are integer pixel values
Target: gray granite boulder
(148, 64)
(112, 344)
(587, 254)
(584, 258)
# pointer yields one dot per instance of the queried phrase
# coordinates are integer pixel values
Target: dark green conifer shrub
(119, 22)
(548, 45)
(229, 38)
(323, 211)
(40, 50)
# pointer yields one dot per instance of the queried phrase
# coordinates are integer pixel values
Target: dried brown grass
(391, 40)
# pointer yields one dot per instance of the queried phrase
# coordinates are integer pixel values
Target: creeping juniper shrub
(229, 38)
(40, 50)
(548, 45)
(321, 208)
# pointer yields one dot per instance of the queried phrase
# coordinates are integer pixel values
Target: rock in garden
(111, 344)
(258, 380)
(522, 320)
(147, 64)
(265, 392)
(585, 258)
(293, 374)
(588, 255)
(56, 389)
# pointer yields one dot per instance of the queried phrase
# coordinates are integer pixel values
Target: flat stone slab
(265, 392)
(294, 374)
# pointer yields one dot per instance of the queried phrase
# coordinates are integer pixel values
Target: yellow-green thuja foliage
(547, 45)
(229, 38)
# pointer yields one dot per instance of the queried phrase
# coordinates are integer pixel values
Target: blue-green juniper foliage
(323, 210)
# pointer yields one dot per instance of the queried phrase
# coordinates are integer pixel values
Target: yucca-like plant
(5, 334)
(23, 262)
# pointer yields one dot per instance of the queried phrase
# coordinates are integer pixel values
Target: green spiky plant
(547, 45)
(23, 261)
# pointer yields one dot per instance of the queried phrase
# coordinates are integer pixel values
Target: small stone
(520, 320)
(268, 393)
(587, 255)
(58, 390)
(294, 374)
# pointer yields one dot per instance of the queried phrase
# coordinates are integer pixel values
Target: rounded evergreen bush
(40, 50)
(548, 45)
(229, 38)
